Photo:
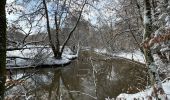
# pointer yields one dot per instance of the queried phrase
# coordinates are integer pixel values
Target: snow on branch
(37, 56)
(150, 42)
(147, 20)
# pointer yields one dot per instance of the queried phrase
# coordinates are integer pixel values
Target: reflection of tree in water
(78, 79)
(49, 84)
(54, 87)
(132, 77)
(41, 85)
(114, 76)
(90, 77)
(57, 89)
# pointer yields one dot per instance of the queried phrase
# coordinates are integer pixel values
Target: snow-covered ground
(135, 55)
(144, 94)
(37, 56)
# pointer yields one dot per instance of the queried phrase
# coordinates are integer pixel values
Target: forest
(84, 50)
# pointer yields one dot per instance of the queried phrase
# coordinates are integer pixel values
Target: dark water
(90, 77)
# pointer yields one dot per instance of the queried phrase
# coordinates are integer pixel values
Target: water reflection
(90, 77)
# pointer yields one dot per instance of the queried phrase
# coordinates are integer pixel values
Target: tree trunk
(2, 48)
(147, 35)
(71, 32)
(147, 30)
(48, 30)
(152, 67)
(57, 45)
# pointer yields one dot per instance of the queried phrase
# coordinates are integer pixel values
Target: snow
(157, 33)
(136, 56)
(18, 62)
(146, 20)
(53, 61)
(145, 94)
(37, 56)
(103, 50)
(165, 49)
(167, 18)
(163, 16)
(69, 56)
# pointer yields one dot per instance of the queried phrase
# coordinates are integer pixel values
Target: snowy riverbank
(145, 94)
(34, 57)
(136, 55)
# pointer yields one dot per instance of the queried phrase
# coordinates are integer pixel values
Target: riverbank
(135, 55)
(37, 57)
(144, 95)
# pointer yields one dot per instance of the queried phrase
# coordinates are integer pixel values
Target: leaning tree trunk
(2, 48)
(152, 67)
(72, 31)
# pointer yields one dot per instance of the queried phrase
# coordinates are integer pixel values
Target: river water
(90, 77)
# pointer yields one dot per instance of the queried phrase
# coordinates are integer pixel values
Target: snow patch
(136, 56)
(53, 61)
(37, 56)
(146, 20)
(103, 50)
(144, 94)
(163, 16)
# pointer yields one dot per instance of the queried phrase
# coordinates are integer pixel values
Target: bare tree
(58, 18)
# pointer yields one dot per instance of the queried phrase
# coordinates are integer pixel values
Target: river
(90, 77)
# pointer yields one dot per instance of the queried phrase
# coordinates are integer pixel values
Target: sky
(99, 9)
